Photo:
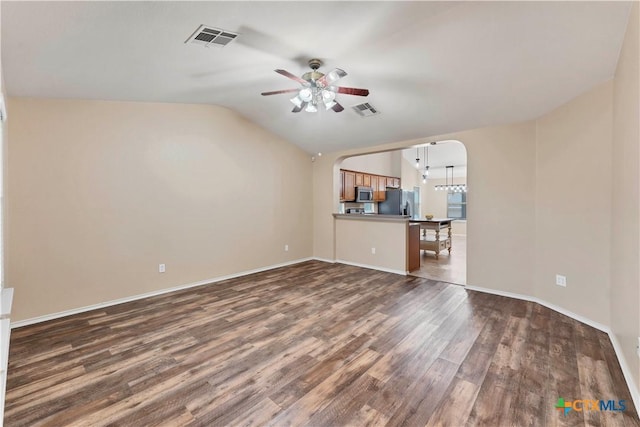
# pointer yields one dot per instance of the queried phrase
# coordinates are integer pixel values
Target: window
(457, 205)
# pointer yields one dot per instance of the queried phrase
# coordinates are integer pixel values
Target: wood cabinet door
(349, 186)
(382, 184)
(390, 181)
(379, 188)
(366, 180)
(341, 185)
(374, 185)
(396, 182)
(359, 179)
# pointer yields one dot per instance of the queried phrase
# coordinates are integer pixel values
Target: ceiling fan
(317, 89)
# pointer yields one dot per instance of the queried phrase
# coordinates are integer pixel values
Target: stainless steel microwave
(364, 194)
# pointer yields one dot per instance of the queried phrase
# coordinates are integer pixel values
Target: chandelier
(454, 188)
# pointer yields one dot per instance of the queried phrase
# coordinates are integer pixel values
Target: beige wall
(409, 175)
(540, 204)
(573, 204)
(355, 239)
(625, 230)
(377, 164)
(102, 192)
(501, 171)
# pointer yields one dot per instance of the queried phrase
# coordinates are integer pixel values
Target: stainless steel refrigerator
(397, 202)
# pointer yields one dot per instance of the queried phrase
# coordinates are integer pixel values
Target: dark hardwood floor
(314, 344)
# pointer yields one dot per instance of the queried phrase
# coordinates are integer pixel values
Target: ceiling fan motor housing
(315, 63)
(314, 75)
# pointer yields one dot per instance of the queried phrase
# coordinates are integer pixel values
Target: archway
(447, 161)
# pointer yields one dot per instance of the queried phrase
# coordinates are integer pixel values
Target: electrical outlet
(161, 268)
(286, 248)
(373, 251)
(561, 280)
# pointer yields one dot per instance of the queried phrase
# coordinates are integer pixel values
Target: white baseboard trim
(324, 260)
(553, 307)
(626, 371)
(372, 267)
(60, 314)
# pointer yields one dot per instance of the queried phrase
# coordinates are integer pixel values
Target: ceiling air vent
(365, 110)
(210, 36)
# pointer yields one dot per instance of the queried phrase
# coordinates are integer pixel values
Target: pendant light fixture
(417, 158)
(459, 188)
(425, 174)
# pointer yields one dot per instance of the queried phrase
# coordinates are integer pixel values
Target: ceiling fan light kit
(317, 89)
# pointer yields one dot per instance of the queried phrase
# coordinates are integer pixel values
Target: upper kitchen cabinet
(374, 185)
(379, 194)
(349, 180)
(393, 182)
(349, 193)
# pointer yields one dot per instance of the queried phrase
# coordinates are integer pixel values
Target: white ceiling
(441, 155)
(431, 67)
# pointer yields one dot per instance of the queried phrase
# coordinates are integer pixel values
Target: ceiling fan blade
(292, 76)
(300, 108)
(332, 76)
(276, 92)
(337, 108)
(352, 91)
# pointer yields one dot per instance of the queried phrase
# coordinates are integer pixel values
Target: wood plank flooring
(451, 268)
(314, 344)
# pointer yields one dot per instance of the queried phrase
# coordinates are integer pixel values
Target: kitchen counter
(373, 217)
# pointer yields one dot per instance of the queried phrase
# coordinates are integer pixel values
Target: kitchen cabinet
(389, 182)
(379, 194)
(374, 185)
(349, 186)
(349, 180)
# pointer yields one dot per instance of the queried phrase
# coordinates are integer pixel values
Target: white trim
(626, 371)
(60, 314)
(6, 300)
(323, 260)
(372, 267)
(553, 307)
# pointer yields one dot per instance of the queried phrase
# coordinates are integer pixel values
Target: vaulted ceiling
(431, 67)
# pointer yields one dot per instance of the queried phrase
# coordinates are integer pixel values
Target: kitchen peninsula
(372, 241)
(387, 242)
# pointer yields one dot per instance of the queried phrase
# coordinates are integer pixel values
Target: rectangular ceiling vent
(365, 110)
(209, 36)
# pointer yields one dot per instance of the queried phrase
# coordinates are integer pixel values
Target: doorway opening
(441, 169)
(433, 174)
